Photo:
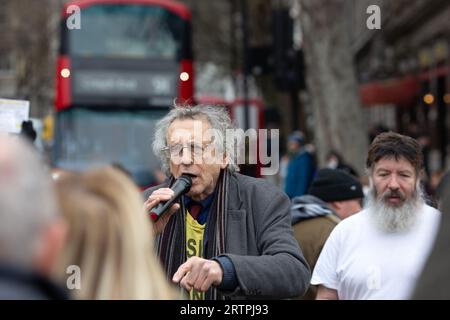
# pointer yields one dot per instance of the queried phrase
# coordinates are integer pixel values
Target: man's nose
(393, 183)
(186, 156)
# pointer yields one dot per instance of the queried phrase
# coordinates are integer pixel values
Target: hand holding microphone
(162, 203)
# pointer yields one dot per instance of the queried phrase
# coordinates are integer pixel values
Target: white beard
(393, 219)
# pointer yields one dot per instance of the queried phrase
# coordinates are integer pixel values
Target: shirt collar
(206, 203)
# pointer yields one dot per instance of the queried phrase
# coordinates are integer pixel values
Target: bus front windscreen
(127, 31)
(86, 138)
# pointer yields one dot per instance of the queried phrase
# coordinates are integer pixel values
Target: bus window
(86, 138)
(127, 31)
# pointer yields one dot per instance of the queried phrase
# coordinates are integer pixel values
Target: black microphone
(180, 187)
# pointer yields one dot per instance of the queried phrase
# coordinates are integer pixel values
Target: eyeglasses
(176, 150)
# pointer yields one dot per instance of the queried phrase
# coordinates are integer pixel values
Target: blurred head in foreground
(31, 233)
(109, 238)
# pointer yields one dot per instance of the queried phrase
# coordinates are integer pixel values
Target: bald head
(27, 203)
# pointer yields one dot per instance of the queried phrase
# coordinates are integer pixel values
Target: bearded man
(380, 252)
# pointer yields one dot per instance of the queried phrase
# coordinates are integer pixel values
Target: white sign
(12, 113)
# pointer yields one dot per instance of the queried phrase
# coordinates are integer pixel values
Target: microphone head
(181, 186)
(186, 180)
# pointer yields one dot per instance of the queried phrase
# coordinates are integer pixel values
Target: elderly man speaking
(230, 235)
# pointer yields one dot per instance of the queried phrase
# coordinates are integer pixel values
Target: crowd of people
(89, 235)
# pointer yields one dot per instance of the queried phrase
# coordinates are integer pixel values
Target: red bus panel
(178, 8)
(63, 93)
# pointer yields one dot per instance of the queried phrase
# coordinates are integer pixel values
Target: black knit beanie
(335, 185)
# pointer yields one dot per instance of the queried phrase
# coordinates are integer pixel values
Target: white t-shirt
(362, 262)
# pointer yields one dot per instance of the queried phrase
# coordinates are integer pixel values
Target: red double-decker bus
(118, 72)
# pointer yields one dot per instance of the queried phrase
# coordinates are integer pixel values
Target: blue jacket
(300, 172)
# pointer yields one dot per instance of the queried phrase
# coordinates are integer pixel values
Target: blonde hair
(109, 238)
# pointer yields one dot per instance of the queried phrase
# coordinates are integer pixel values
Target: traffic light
(288, 62)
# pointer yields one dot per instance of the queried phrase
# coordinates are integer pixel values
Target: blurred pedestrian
(31, 231)
(380, 252)
(27, 131)
(333, 195)
(340, 190)
(300, 167)
(336, 161)
(109, 238)
(230, 235)
(434, 282)
(414, 131)
(441, 188)
(377, 129)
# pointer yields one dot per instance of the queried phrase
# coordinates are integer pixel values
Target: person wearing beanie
(332, 196)
(340, 190)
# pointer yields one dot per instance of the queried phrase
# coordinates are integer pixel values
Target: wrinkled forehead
(189, 130)
(392, 163)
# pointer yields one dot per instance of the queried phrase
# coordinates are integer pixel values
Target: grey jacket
(260, 241)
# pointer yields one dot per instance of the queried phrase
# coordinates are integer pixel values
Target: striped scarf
(171, 243)
(307, 207)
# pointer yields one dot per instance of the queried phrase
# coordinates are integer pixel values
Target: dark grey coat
(434, 282)
(260, 242)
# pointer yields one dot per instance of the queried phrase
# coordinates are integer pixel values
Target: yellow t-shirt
(194, 247)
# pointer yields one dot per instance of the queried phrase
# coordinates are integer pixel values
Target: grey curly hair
(219, 121)
(23, 174)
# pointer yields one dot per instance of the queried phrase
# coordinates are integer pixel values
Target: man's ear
(49, 246)
(336, 205)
